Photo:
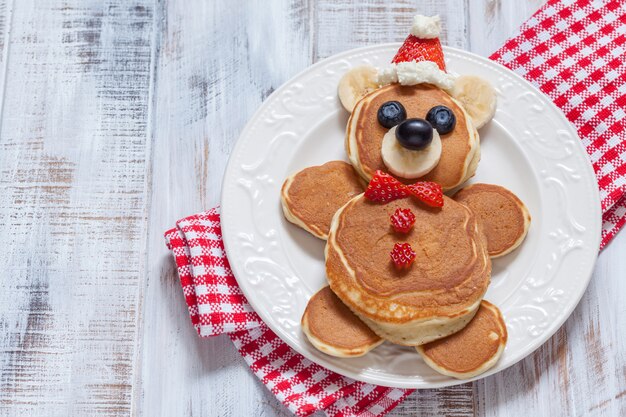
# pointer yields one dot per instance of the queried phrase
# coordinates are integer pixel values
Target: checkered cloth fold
(217, 306)
(573, 51)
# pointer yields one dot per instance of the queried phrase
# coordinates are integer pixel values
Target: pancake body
(471, 351)
(504, 217)
(437, 296)
(364, 134)
(333, 329)
(311, 197)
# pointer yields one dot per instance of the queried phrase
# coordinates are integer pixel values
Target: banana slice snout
(407, 163)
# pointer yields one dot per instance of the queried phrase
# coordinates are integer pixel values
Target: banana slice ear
(355, 84)
(477, 96)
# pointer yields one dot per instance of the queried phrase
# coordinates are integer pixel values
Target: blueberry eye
(391, 113)
(442, 119)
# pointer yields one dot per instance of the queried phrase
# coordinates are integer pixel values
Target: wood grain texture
(116, 119)
(491, 22)
(72, 208)
(345, 24)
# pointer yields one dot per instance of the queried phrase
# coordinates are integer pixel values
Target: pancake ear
(478, 98)
(355, 84)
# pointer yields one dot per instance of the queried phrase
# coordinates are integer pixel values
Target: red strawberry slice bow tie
(572, 51)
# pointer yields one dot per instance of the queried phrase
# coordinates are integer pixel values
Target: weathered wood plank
(72, 180)
(74, 135)
(6, 10)
(217, 62)
(345, 24)
(491, 22)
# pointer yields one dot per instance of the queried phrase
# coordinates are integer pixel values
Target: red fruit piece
(417, 49)
(402, 220)
(428, 192)
(402, 255)
(384, 188)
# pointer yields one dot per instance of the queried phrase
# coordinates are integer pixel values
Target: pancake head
(333, 329)
(503, 217)
(311, 197)
(364, 135)
(471, 351)
(436, 296)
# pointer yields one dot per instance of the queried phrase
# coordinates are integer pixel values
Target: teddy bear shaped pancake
(406, 263)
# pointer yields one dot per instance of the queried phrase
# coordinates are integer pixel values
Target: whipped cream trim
(412, 73)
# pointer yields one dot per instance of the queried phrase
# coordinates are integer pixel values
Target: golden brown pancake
(436, 296)
(364, 134)
(311, 197)
(333, 329)
(504, 217)
(471, 351)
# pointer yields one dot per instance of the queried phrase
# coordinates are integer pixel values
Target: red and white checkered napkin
(574, 51)
(216, 306)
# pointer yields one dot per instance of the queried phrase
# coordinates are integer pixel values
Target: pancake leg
(471, 351)
(333, 329)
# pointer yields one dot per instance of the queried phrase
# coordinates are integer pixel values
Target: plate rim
(587, 274)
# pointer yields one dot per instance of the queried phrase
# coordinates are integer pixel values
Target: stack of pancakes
(434, 298)
(437, 304)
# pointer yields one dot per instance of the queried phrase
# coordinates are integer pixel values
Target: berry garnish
(391, 113)
(442, 119)
(402, 255)
(384, 188)
(402, 220)
(414, 134)
(416, 49)
(430, 193)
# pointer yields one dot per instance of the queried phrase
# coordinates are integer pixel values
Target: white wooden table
(117, 118)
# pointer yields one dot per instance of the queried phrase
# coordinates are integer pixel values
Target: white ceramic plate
(529, 148)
